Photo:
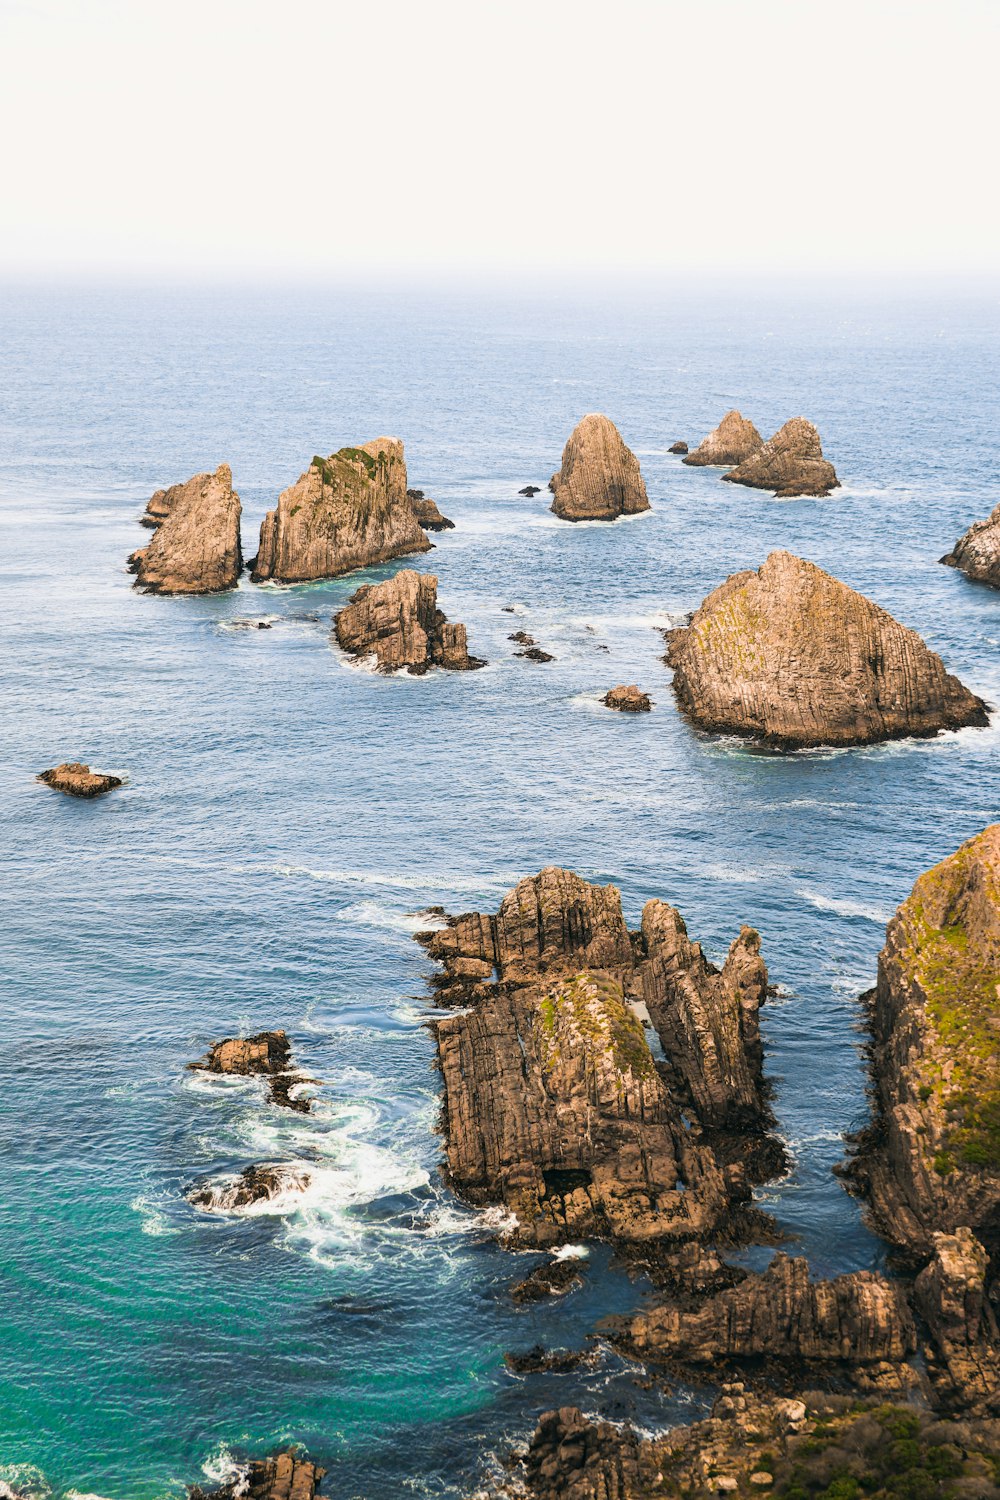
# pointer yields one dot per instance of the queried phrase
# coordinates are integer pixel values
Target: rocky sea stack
(791, 464)
(346, 511)
(627, 700)
(78, 780)
(196, 548)
(731, 442)
(793, 657)
(600, 478)
(977, 553)
(398, 622)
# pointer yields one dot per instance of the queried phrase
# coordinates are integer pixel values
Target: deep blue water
(285, 812)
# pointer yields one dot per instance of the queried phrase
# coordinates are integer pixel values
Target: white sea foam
(23, 1479)
(550, 522)
(221, 1467)
(154, 1220)
(423, 881)
(572, 1252)
(375, 914)
(845, 907)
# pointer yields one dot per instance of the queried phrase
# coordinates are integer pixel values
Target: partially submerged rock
(78, 780)
(256, 1184)
(977, 552)
(791, 464)
(269, 1053)
(398, 622)
(346, 511)
(285, 1476)
(730, 443)
(600, 478)
(553, 1278)
(530, 490)
(196, 546)
(427, 512)
(627, 700)
(535, 653)
(678, 448)
(792, 656)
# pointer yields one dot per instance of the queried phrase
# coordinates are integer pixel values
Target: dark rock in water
(78, 780)
(627, 700)
(250, 624)
(285, 1476)
(196, 546)
(977, 551)
(678, 448)
(950, 1294)
(791, 464)
(600, 478)
(535, 653)
(427, 513)
(398, 622)
(541, 1361)
(522, 637)
(508, 609)
(530, 490)
(254, 1185)
(730, 443)
(269, 1053)
(415, 495)
(552, 1279)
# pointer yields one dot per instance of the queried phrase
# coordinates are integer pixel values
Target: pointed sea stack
(600, 478)
(793, 657)
(398, 622)
(977, 553)
(732, 441)
(346, 511)
(196, 548)
(791, 464)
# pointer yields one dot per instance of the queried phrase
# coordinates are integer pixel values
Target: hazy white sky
(314, 136)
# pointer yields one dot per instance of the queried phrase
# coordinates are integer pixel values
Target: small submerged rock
(257, 1184)
(678, 448)
(977, 551)
(730, 443)
(541, 1361)
(427, 513)
(522, 638)
(791, 464)
(600, 477)
(268, 1054)
(284, 1476)
(535, 653)
(78, 780)
(554, 1278)
(530, 490)
(627, 700)
(398, 622)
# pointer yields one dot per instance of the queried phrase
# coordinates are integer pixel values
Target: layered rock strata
(730, 443)
(78, 780)
(427, 512)
(346, 511)
(627, 700)
(196, 546)
(793, 657)
(791, 464)
(285, 1476)
(399, 624)
(977, 552)
(268, 1054)
(600, 478)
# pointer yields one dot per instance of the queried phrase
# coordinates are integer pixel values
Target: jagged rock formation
(398, 622)
(269, 1053)
(535, 653)
(678, 448)
(600, 478)
(285, 1476)
(257, 1184)
(731, 442)
(627, 700)
(950, 1294)
(531, 490)
(932, 1160)
(554, 1103)
(346, 511)
(553, 1278)
(977, 552)
(791, 464)
(427, 513)
(78, 780)
(196, 547)
(792, 656)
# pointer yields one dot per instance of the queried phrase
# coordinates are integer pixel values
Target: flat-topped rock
(268, 1054)
(793, 657)
(346, 511)
(600, 478)
(735, 439)
(196, 546)
(427, 512)
(399, 624)
(791, 464)
(256, 1184)
(627, 700)
(285, 1476)
(78, 780)
(977, 552)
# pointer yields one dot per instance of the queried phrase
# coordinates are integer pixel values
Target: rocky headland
(268, 1054)
(427, 512)
(399, 624)
(735, 439)
(627, 700)
(78, 780)
(347, 511)
(977, 551)
(600, 478)
(196, 546)
(794, 658)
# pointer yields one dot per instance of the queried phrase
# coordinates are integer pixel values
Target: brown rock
(346, 511)
(268, 1053)
(285, 1476)
(977, 552)
(256, 1184)
(553, 1278)
(627, 700)
(964, 1354)
(791, 463)
(427, 513)
(398, 622)
(678, 448)
(794, 657)
(731, 442)
(196, 548)
(600, 478)
(78, 780)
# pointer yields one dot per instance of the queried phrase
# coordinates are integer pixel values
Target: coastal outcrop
(790, 655)
(791, 464)
(346, 511)
(78, 780)
(627, 700)
(284, 1476)
(600, 478)
(963, 1356)
(678, 448)
(256, 1184)
(399, 624)
(735, 439)
(427, 512)
(267, 1054)
(977, 552)
(196, 545)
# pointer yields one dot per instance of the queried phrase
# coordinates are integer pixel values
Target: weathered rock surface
(78, 780)
(792, 656)
(196, 546)
(346, 511)
(554, 1103)
(678, 448)
(600, 478)
(791, 464)
(530, 490)
(285, 1476)
(950, 1294)
(627, 700)
(551, 1279)
(977, 552)
(269, 1053)
(427, 512)
(398, 622)
(730, 443)
(257, 1184)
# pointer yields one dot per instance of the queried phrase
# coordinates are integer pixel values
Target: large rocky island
(793, 657)
(977, 551)
(399, 624)
(735, 439)
(791, 464)
(346, 511)
(196, 545)
(600, 478)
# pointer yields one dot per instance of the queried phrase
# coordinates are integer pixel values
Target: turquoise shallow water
(286, 812)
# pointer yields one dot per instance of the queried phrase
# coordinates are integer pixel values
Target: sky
(314, 138)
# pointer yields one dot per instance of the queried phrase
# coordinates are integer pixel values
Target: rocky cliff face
(963, 1358)
(346, 511)
(78, 780)
(600, 478)
(977, 553)
(196, 546)
(792, 656)
(730, 443)
(791, 464)
(398, 622)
